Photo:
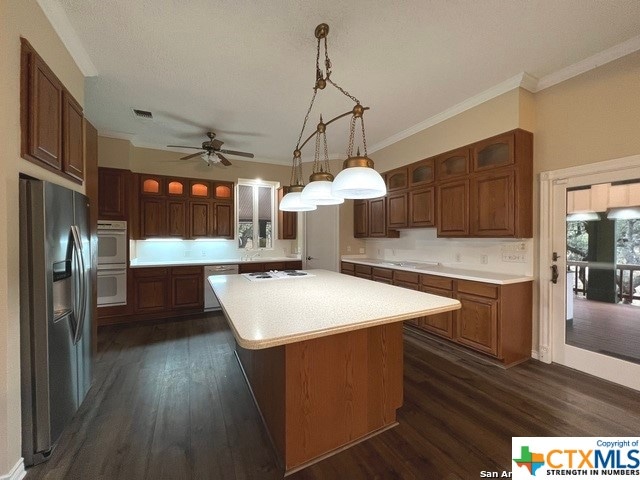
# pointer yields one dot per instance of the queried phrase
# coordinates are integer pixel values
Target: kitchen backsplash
(178, 250)
(485, 254)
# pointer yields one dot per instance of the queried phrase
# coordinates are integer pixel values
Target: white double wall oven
(112, 263)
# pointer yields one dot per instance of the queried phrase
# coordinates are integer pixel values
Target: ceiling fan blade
(183, 146)
(216, 144)
(239, 154)
(223, 159)
(192, 155)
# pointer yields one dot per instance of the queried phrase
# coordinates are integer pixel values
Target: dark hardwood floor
(169, 402)
(609, 328)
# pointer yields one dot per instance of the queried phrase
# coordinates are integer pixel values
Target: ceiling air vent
(143, 114)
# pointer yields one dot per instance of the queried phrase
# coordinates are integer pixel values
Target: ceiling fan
(211, 152)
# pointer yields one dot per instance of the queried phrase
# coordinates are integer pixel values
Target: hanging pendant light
(358, 179)
(318, 190)
(292, 202)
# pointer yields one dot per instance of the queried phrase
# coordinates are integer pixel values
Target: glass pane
(423, 173)
(603, 281)
(175, 188)
(455, 165)
(265, 222)
(397, 180)
(151, 186)
(222, 191)
(199, 190)
(494, 155)
(245, 216)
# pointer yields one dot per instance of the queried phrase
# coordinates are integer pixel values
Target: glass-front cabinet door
(453, 164)
(494, 152)
(422, 173)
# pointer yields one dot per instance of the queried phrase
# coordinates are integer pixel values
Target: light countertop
(442, 271)
(224, 261)
(277, 312)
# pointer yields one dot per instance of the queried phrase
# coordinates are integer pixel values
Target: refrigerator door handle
(81, 303)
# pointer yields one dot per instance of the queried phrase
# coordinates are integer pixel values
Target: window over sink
(256, 213)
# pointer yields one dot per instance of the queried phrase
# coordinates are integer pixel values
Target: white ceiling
(246, 69)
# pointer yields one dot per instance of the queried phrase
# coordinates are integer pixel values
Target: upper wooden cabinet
(397, 179)
(377, 217)
(422, 207)
(182, 207)
(360, 218)
(498, 151)
(113, 194)
(287, 221)
(370, 219)
(397, 210)
(199, 189)
(151, 185)
(73, 137)
(497, 200)
(493, 204)
(453, 164)
(177, 187)
(51, 119)
(422, 173)
(453, 209)
(223, 190)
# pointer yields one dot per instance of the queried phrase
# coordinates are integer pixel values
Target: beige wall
(121, 154)
(494, 116)
(590, 118)
(19, 18)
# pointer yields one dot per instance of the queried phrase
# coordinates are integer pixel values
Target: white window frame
(274, 217)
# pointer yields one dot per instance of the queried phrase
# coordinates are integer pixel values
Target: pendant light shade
(292, 202)
(358, 179)
(318, 190)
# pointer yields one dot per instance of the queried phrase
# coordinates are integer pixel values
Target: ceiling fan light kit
(358, 179)
(211, 152)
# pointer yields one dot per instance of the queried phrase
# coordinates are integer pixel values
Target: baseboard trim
(17, 472)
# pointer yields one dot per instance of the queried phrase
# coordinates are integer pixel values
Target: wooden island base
(319, 396)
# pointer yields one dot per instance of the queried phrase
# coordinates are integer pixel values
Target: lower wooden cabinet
(150, 290)
(493, 319)
(187, 287)
(167, 291)
(440, 323)
(477, 323)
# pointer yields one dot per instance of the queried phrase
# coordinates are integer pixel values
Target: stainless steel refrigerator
(55, 312)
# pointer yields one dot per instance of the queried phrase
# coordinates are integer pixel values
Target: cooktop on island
(276, 275)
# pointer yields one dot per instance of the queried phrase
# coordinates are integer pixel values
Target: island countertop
(278, 312)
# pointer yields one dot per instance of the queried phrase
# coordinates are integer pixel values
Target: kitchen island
(322, 355)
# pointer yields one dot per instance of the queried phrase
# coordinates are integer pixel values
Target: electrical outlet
(458, 257)
(522, 246)
(348, 248)
(203, 253)
(514, 257)
(484, 259)
(361, 250)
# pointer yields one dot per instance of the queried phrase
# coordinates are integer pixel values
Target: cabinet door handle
(554, 274)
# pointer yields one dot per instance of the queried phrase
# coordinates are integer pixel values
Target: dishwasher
(210, 300)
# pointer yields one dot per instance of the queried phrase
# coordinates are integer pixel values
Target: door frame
(550, 181)
(335, 241)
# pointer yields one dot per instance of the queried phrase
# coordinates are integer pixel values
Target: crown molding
(522, 80)
(594, 61)
(60, 22)
(117, 135)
